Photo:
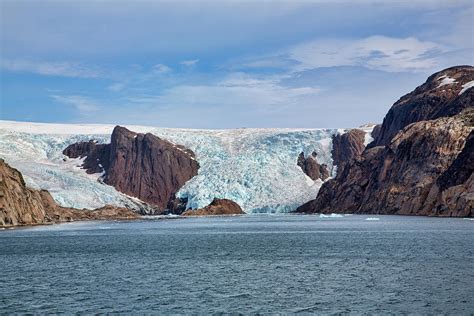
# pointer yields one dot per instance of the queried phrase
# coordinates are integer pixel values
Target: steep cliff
(347, 146)
(141, 165)
(443, 94)
(425, 168)
(20, 205)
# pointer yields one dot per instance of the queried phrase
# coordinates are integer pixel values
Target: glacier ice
(254, 167)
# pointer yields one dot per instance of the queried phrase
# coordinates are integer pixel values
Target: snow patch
(445, 80)
(466, 86)
(368, 128)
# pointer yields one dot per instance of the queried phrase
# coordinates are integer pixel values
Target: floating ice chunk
(372, 219)
(333, 215)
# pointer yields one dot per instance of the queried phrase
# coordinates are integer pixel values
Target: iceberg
(332, 215)
(372, 219)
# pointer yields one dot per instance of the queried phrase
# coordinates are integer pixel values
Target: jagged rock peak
(141, 165)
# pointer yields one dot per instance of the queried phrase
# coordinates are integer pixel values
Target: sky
(223, 64)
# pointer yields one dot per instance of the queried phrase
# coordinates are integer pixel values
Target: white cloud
(189, 63)
(375, 52)
(82, 104)
(236, 90)
(61, 69)
(161, 69)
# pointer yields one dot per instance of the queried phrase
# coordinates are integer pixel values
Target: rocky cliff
(347, 146)
(425, 168)
(217, 207)
(20, 205)
(311, 167)
(141, 165)
(439, 96)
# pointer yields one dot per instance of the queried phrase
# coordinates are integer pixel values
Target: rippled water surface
(249, 264)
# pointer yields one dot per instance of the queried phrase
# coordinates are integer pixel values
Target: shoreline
(178, 217)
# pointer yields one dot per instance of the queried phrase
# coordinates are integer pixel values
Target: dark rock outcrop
(461, 168)
(376, 131)
(425, 169)
(176, 205)
(96, 155)
(20, 205)
(312, 168)
(434, 99)
(347, 146)
(217, 207)
(141, 165)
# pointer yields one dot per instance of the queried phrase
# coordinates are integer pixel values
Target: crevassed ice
(254, 167)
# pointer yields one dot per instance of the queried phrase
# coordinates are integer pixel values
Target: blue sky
(223, 64)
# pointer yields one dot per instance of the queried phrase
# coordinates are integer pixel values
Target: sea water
(243, 264)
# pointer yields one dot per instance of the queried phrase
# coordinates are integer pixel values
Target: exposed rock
(176, 205)
(96, 155)
(312, 168)
(461, 168)
(420, 163)
(347, 146)
(217, 207)
(141, 165)
(401, 178)
(20, 205)
(376, 131)
(439, 96)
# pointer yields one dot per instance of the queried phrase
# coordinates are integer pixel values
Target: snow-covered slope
(254, 167)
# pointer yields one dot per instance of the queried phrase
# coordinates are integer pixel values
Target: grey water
(249, 264)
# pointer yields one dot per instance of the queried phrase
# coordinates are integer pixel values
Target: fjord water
(247, 264)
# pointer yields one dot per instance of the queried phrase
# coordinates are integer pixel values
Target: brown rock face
(401, 178)
(20, 205)
(426, 168)
(461, 168)
(312, 168)
(217, 207)
(429, 101)
(347, 146)
(140, 165)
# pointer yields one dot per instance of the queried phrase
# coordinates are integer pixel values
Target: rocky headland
(421, 159)
(20, 205)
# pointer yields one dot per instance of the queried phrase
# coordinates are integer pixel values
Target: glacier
(254, 167)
